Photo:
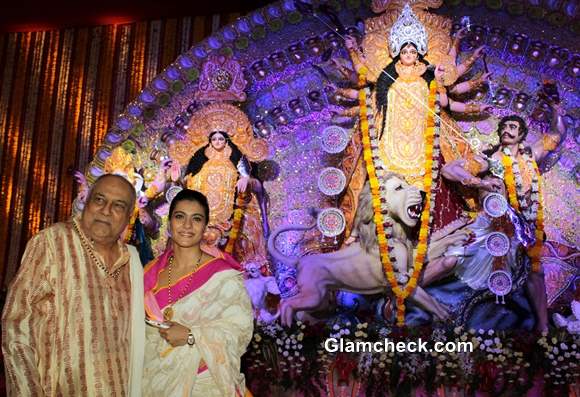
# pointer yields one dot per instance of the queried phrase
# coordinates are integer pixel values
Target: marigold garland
(510, 181)
(536, 251)
(237, 221)
(374, 185)
(131, 226)
(374, 167)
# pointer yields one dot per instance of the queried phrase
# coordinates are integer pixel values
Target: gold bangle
(455, 43)
(469, 61)
(472, 108)
(474, 167)
(475, 84)
(472, 181)
(549, 142)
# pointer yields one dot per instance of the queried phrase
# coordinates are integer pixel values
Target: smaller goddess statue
(218, 170)
(223, 146)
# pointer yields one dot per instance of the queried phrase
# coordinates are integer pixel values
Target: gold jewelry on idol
(550, 142)
(88, 247)
(470, 61)
(407, 29)
(472, 108)
(168, 312)
(475, 83)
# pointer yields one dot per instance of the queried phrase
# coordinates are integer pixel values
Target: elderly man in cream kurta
(73, 322)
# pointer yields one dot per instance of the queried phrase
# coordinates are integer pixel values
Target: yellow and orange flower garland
(511, 173)
(373, 164)
(128, 232)
(237, 221)
(536, 251)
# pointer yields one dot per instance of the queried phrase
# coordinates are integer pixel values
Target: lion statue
(357, 268)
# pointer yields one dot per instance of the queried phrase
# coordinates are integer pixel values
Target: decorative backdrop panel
(59, 92)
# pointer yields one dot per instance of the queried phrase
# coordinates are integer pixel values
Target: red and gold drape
(59, 92)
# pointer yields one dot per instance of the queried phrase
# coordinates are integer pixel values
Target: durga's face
(218, 141)
(409, 55)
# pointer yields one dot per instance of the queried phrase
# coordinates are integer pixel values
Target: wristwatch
(190, 339)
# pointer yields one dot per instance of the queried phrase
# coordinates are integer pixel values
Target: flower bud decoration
(279, 116)
(503, 97)
(278, 60)
(192, 108)
(496, 38)
(296, 106)
(574, 66)
(179, 122)
(259, 69)
(332, 39)
(520, 101)
(537, 50)
(314, 45)
(262, 129)
(541, 111)
(315, 100)
(518, 43)
(295, 53)
(554, 58)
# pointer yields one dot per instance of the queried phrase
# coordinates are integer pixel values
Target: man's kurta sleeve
(27, 311)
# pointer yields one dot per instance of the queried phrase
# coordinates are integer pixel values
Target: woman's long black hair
(384, 83)
(199, 158)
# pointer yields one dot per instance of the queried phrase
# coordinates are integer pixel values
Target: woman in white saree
(203, 316)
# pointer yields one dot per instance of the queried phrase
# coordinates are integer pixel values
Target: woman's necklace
(168, 312)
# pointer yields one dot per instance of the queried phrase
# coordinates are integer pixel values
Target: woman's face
(187, 223)
(409, 55)
(218, 141)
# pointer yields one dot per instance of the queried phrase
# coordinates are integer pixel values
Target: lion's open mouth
(414, 211)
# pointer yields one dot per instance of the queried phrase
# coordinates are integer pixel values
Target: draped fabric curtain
(59, 92)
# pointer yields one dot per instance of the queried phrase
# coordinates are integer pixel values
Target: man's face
(108, 210)
(510, 133)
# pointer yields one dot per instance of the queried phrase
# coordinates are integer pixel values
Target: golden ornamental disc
(168, 314)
